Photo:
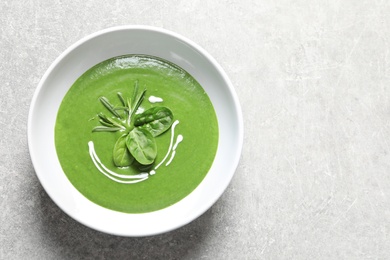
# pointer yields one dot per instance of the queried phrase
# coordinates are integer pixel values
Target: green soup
(166, 181)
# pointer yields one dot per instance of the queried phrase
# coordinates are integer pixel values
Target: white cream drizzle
(179, 139)
(110, 174)
(170, 159)
(139, 110)
(153, 99)
(170, 145)
(141, 176)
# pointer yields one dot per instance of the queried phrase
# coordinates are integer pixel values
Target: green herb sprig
(137, 143)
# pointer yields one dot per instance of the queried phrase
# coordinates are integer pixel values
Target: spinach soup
(136, 134)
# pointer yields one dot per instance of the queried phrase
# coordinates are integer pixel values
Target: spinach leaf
(121, 155)
(142, 146)
(156, 120)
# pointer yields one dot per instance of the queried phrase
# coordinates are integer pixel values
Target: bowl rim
(209, 58)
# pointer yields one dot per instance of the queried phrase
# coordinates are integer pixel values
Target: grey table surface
(313, 79)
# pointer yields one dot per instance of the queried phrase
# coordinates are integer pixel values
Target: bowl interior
(115, 42)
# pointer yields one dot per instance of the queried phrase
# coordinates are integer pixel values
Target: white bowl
(101, 46)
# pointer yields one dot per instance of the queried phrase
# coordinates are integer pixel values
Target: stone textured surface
(313, 78)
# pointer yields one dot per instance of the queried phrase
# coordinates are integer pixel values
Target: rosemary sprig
(129, 108)
(108, 105)
(105, 129)
(121, 99)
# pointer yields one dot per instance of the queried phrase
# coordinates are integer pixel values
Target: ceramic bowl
(101, 46)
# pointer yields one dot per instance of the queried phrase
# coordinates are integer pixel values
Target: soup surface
(184, 152)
